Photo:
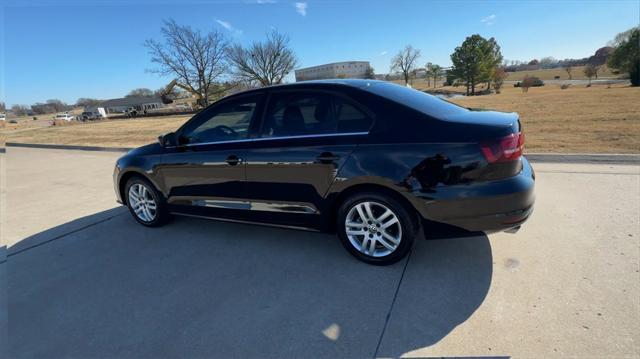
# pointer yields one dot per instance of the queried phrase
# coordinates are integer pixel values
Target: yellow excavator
(200, 102)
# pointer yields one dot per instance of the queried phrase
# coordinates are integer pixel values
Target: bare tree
(499, 75)
(3, 107)
(19, 110)
(590, 71)
(404, 62)
(265, 63)
(58, 105)
(196, 59)
(567, 67)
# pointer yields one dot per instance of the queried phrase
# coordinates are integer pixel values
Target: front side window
(311, 113)
(228, 121)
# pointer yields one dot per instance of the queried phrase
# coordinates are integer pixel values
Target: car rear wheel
(145, 203)
(376, 228)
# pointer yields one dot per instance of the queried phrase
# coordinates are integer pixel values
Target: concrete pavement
(85, 280)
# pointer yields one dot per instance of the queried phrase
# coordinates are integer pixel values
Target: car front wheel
(376, 228)
(145, 203)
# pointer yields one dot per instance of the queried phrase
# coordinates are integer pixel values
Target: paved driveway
(85, 280)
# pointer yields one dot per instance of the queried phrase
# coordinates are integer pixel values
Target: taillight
(505, 149)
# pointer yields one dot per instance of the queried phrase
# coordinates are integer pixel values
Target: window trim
(259, 139)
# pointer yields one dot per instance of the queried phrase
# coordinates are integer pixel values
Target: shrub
(564, 86)
(61, 123)
(531, 81)
(498, 79)
(526, 83)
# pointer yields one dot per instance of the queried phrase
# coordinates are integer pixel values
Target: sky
(69, 49)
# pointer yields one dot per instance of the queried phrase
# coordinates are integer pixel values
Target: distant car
(3, 117)
(183, 107)
(87, 115)
(131, 112)
(64, 116)
(370, 160)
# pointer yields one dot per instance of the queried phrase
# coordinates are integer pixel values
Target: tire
(146, 214)
(389, 244)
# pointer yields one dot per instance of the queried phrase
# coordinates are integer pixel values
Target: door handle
(327, 157)
(233, 160)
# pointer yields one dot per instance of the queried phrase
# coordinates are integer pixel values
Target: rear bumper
(488, 207)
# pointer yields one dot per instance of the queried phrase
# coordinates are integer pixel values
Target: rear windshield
(417, 100)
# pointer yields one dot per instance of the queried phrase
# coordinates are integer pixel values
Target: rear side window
(418, 100)
(312, 113)
(350, 119)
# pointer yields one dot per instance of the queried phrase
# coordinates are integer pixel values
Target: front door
(205, 174)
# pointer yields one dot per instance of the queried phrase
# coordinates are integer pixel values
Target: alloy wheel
(373, 229)
(142, 202)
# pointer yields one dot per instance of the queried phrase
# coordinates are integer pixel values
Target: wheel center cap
(373, 229)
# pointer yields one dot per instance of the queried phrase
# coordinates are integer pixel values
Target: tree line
(40, 108)
(205, 62)
(479, 61)
(474, 62)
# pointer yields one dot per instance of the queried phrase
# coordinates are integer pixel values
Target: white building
(141, 104)
(347, 70)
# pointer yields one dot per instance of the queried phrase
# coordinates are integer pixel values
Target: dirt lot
(578, 119)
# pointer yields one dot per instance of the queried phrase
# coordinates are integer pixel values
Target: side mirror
(168, 140)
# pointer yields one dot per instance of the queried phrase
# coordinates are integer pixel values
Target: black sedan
(372, 161)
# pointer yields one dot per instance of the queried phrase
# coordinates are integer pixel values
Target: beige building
(336, 70)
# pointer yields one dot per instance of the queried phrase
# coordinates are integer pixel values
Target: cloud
(263, 1)
(489, 20)
(227, 25)
(301, 8)
(383, 53)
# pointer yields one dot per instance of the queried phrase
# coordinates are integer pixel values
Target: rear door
(304, 139)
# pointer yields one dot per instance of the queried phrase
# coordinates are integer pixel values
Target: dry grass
(577, 73)
(109, 133)
(579, 119)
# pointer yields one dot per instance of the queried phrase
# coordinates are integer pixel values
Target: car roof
(356, 83)
(344, 82)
